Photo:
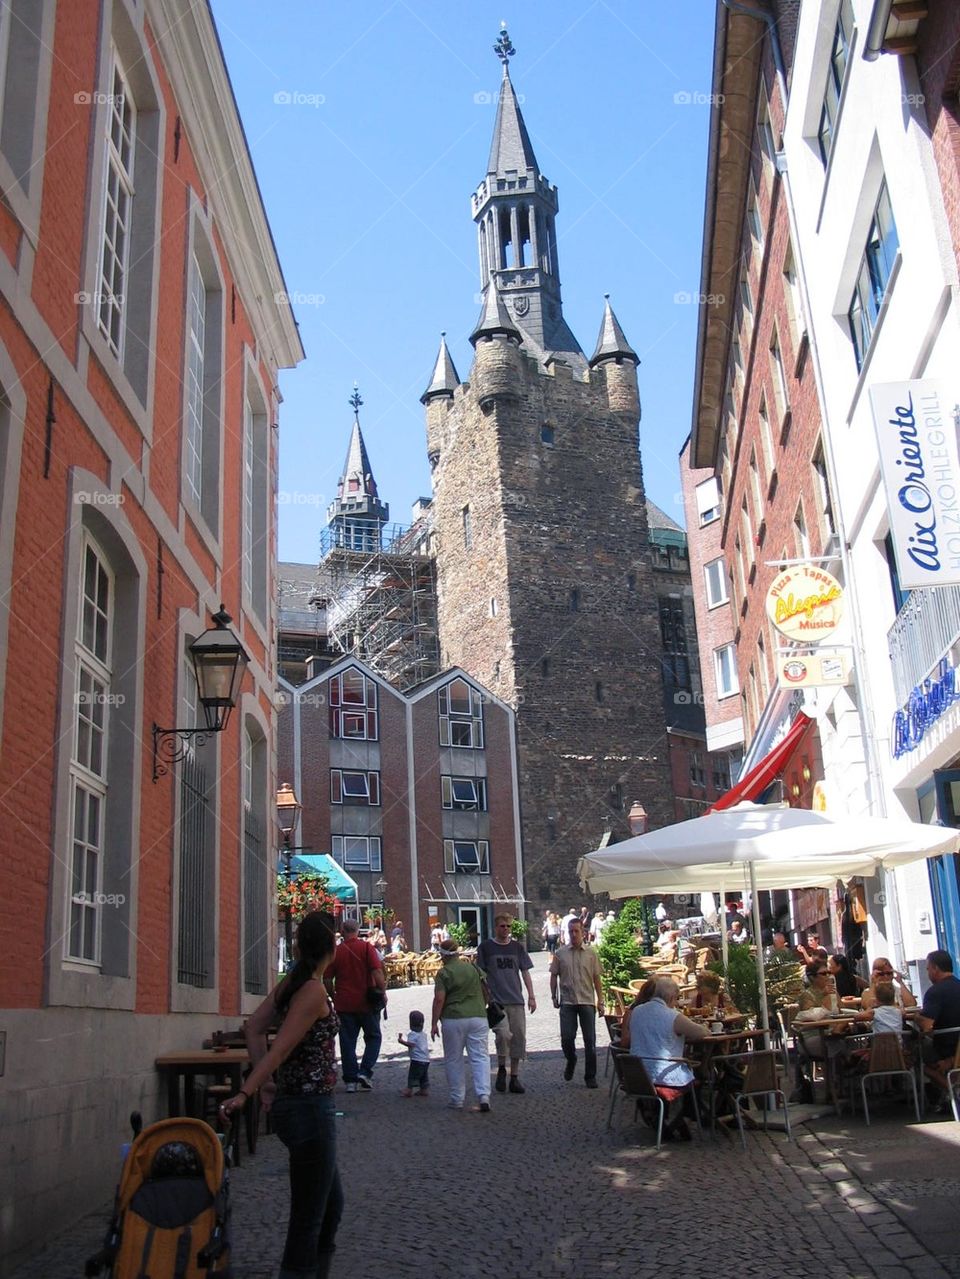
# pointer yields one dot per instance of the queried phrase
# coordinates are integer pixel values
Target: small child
(887, 1016)
(418, 1045)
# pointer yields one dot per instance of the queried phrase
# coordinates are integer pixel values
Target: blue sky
(369, 127)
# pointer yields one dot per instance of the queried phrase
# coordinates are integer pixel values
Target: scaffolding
(303, 648)
(381, 602)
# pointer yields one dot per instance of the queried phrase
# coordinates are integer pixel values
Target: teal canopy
(339, 882)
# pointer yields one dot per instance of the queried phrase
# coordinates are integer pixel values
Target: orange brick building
(143, 319)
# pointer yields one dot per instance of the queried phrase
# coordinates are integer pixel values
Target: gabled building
(143, 325)
(414, 793)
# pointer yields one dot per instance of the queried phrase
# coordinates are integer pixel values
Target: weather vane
(504, 47)
(355, 401)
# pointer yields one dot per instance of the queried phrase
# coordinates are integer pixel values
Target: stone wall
(550, 600)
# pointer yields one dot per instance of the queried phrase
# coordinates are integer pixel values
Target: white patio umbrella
(778, 847)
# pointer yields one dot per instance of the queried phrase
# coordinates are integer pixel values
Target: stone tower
(545, 583)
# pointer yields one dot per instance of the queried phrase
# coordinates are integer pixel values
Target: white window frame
(478, 864)
(473, 798)
(725, 671)
(246, 532)
(117, 207)
(94, 663)
(366, 784)
(874, 276)
(363, 717)
(345, 848)
(196, 374)
(467, 726)
(841, 44)
(709, 506)
(715, 578)
(781, 391)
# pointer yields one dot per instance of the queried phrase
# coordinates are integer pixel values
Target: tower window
(494, 606)
(598, 689)
(545, 666)
(467, 528)
(631, 581)
(574, 601)
(547, 434)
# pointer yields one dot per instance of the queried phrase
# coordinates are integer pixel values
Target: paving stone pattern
(538, 1189)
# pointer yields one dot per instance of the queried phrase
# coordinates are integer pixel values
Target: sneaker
(484, 1106)
(366, 1084)
(351, 1087)
(501, 1084)
(424, 1092)
(454, 1105)
(568, 1070)
(516, 1085)
(407, 1092)
(591, 1083)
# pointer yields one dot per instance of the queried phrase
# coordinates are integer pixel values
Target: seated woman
(882, 971)
(655, 1032)
(849, 985)
(818, 1002)
(711, 997)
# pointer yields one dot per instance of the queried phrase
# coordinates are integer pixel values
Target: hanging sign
(917, 441)
(813, 670)
(805, 603)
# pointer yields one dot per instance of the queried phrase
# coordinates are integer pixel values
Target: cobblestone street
(538, 1189)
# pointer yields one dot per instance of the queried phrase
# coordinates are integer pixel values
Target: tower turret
(356, 516)
(437, 399)
(616, 360)
(515, 209)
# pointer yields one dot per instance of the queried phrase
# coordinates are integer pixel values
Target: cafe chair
(634, 1085)
(953, 1084)
(886, 1061)
(760, 1080)
(613, 1029)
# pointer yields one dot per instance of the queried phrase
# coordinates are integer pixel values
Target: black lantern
(219, 660)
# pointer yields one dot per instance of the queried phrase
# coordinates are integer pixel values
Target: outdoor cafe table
(710, 1053)
(188, 1065)
(836, 1032)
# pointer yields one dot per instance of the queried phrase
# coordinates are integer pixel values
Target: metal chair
(635, 1084)
(953, 1083)
(613, 1030)
(759, 1080)
(886, 1061)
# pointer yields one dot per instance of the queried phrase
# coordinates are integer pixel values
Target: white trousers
(472, 1034)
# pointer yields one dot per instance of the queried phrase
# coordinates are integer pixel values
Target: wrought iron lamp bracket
(170, 746)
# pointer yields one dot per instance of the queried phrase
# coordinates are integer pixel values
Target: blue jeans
(307, 1127)
(586, 1016)
(350, 1026)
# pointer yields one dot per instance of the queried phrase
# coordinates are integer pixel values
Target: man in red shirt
(355, 969)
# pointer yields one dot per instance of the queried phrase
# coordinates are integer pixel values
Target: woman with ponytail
(303, 1059)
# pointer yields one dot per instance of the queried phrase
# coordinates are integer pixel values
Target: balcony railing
(926, 629)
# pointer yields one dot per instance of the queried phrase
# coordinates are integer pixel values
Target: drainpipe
(875, 793)
(877, 29)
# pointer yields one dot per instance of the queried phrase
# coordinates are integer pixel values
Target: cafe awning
(339, 882)
(755, 782)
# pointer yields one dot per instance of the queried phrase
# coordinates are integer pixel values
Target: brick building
(142, 325)
(414, 793)
(545, 587)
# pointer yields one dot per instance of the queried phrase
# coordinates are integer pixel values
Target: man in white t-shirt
(565, 926)
(597, 925)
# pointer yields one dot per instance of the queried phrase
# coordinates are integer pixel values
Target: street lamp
(381, 887)
(288, 814)
(219, 660)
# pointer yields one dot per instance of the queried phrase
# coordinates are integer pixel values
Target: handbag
(495, 1014)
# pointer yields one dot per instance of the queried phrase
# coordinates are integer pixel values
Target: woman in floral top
(301, 1099)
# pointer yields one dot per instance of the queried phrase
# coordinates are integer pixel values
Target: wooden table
(226, 1063)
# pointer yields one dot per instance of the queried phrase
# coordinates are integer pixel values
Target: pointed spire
(445, 380)
(494, 319)
(612, 342)
(357, 513)
(511, 150)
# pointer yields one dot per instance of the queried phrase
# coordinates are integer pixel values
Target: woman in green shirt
(460, 1010)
